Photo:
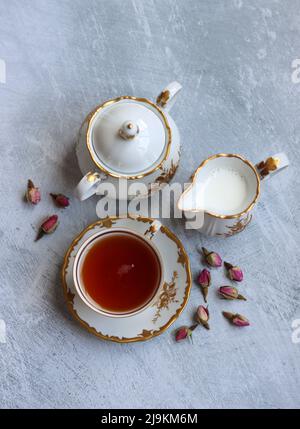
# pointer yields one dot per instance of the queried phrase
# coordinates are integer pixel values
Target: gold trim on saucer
(226, 155)
(145, 334)
(109, 103)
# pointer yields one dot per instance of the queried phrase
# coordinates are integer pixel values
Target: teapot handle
(272, 165)
(87, 186)
(168, 95)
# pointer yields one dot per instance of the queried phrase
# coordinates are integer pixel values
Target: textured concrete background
(234, 60)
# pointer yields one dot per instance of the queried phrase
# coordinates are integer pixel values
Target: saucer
(153, 320)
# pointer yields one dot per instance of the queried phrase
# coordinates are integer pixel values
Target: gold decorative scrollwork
(237, 227)
(167, 174)
(166, 297)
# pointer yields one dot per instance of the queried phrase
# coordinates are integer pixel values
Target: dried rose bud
(60, 200)
(236, 319)
(202, 316)
(230, 292)
(33, 194)
(212, 258)
(184, 332)
(204, 278)
(48, 226)
(234, 273)
(204, 281)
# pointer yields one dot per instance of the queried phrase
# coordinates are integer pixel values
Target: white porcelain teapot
(129, 138)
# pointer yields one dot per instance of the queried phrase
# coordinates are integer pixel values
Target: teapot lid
(128, 137)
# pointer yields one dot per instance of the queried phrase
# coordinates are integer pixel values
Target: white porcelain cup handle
(272, 165)
(168, 95)
(87, 186)
(153, 229)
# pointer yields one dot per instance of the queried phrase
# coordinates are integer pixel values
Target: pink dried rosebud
(33, 194)
(212, 258)
(48, 226)
(204, 278)
(61, 200)
(202, 316)
(236, 319)
(204, 281)
(234, 273)
(184, 332)
(230, 292)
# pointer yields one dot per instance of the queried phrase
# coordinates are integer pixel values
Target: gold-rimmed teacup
(82, 288)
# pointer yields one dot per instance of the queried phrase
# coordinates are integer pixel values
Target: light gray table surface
(234, 60)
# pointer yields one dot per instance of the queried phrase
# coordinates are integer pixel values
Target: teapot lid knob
(129, 130)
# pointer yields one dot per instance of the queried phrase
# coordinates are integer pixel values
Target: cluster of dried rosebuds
(33, 196)
(201, 318)
(234, 273)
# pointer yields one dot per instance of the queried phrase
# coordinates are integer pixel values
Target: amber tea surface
(121, 272)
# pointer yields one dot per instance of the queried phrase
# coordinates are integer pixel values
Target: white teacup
(225, 188)
(79, 283)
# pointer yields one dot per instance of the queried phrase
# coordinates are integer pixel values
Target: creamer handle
(272, 165)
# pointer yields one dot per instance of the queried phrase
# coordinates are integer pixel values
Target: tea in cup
(118, 273)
